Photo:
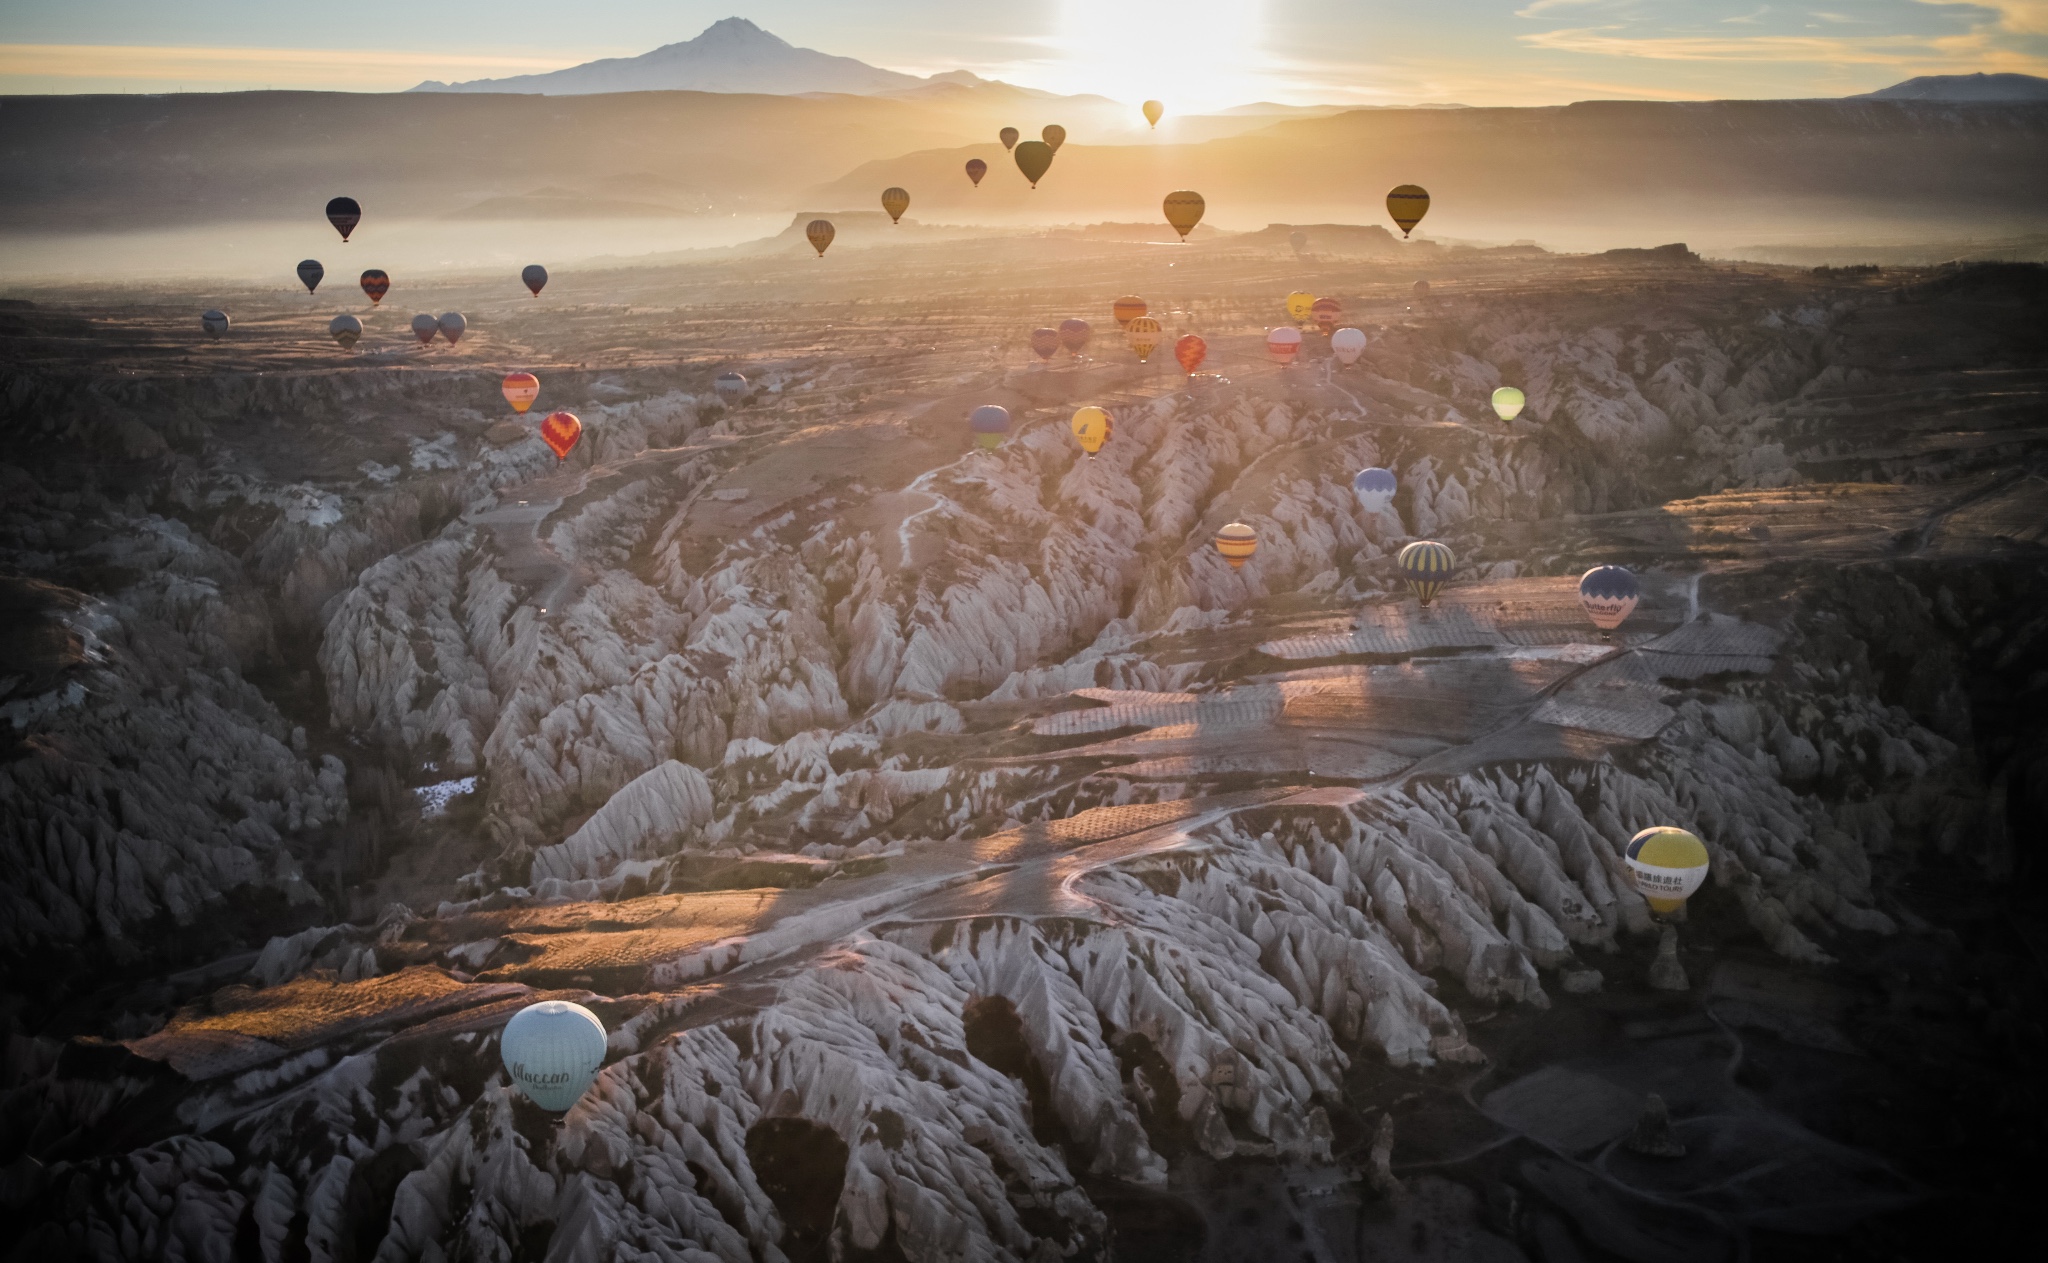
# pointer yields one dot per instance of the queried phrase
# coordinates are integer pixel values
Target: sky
(1201, 54)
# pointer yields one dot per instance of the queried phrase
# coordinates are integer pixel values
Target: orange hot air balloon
(1184, 210)
(1009, 137)
(1406, 205)
(820, 233)
(1191, 351)
(1326, 311)
(376, 284)
(976, 169)
(560, 431)
(1283, 344)
(1237, 542)
(1054, 136)
(895, 201)
(521, 389)
(1143, 335)
(1153, 111)
(1127, 309)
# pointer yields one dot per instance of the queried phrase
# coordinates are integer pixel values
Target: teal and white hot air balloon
(553, 1050)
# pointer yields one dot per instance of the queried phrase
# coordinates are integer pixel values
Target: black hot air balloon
(344, 214)
(976, 169)
(310, 273)
(535, 276)
(1034, 159)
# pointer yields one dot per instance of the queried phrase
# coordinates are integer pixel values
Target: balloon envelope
(1326, 311)
(1191, 350)
(1074, 335)
(1054, 136)
(521, 389)
(453, 326)
(1034, 159)
(1184, 210)
(820, 233)
(310, 273)
(424, 327)
(376, 284)
(1009, 137)
(1667, 865)
(1609, 594)
(1507, 403)
(345, 329)
(1091, 426)
(1143, 333)
(1406, 205)
(895, 201)
(1347, 345)
(1299, 240)
(1426, 565)
(1375, 488)
(1283, 344)
(535, 277)
(344, 214)
(1299, 305)
(990, 422)
(1045, 343)
(976, 169)
(1127, 309)
(552, 1051)
(1421, 289)
(1153, 112)
(215, 322)
(560, 432)
(729, 386)
(1237, 542)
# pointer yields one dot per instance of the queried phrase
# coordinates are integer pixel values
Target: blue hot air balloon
(1374, 488)
(553, 1050)
(310, 273)
(989, 423)
(1609, 594)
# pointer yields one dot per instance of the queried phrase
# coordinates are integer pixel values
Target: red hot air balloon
(1326, 311)
(1191, 351)
(1127, 309)
(976, 169)
(521, 389)
(376, 284)
(1045, 343)
(1009, 137)
(344, 214)
(424, 327)
(1283, 344)
(560, 431)
(1074, 335)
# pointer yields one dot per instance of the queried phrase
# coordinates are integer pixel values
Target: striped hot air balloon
(1326, 311)
(1127, 309)
(1427, 566)
(1191, 350)
(376, 283)
(345, 329)
(520, 390)
(1609, 594)
(1375, 489)
(560, 432)
(895, 201)
(1143, 333)
(1406, 205)
(819, 232)
(1237, 542)
(990, 422)
(1667, 865)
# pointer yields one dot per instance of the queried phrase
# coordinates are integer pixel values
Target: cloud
(1926, 35)
(279, 67)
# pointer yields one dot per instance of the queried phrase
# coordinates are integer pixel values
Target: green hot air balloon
(1034, 159)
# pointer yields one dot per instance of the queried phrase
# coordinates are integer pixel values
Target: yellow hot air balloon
(1091, 428)
(1237, 542)
(1668, 865)
(1153, 111)
(1406, 205)
(820, 232)
(895, 201)
(1507, 403)
(1184, 210)
(1143, 334)
(1300, 305)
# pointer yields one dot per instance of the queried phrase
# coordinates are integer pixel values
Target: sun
(1194, 54)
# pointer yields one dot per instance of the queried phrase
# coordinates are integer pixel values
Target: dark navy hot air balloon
(310, 273)
(1375, 489)
(990, 422)
(535, 277)
(344, 214)
(1609, 594)
(1426, 565)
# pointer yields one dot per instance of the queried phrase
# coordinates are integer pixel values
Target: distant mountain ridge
(1977, 87)
(732, 55)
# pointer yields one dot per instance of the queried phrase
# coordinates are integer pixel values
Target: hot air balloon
(1045, 343)
(895, 201)
(1421, 289)
(453, 326)
(521, 389)
(1191, 351)
(1153, 112)
(345, 329)
(344, 214)
(1300, 304)
(1034, 159)
(1299, 240)
(1426, 565)
(1143, 334)
(990, 422)
(1326, 311)
(535, 277)
(553, 1050)
(731, 387)
(1609, 594)
(214, 322)
(1283, 344)
(1406, 205)
(1054, 136)
(560, 431)
(1237, 542)
(1507, 403)
(1074, 335)
(1127, 309)
(424, 327)
(820, 233)
(1009, 137)
(310, 273)
(1375, 489)
(1091, 426)
(1347, 345)
(1668, 865)
(376, 284)
(1184, 210)
(976, 169)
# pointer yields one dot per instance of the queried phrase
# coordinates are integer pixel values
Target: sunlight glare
(1194, 55)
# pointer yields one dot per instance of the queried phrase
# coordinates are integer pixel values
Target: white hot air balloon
(1375, 489)
(453, 326)
(552, 1050)
(1347, 345)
